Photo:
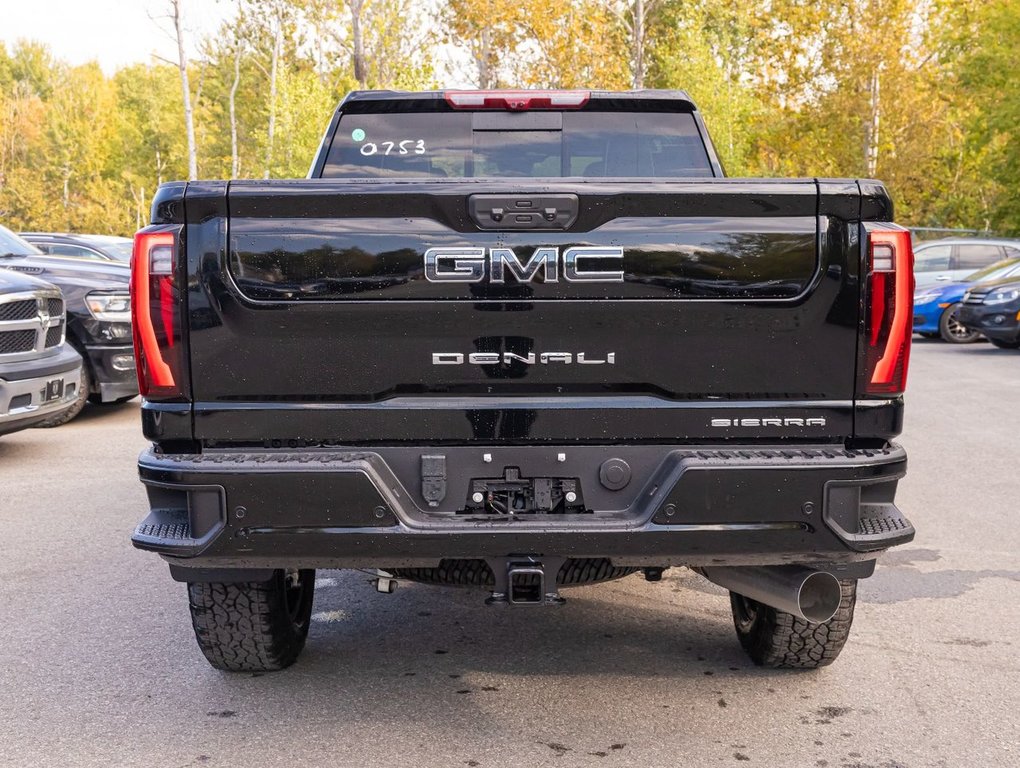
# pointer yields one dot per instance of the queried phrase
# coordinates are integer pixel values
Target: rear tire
(951, 330)
(253, 626)
(1005, 344)
(773, 638)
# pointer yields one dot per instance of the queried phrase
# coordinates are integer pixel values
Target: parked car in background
(952, 259)
(937, 305)
(97, 247)
(993, 309)
(98, 317)
(40, 374)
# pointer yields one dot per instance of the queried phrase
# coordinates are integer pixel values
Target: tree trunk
(872, 126)
(277, 46)
(189, 117)
(483, 59)
(638, 36)
(358, 41)
(233, 108)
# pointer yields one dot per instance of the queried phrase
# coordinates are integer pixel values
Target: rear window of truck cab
(533, 144)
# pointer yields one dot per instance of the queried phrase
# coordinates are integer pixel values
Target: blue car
(937, 306)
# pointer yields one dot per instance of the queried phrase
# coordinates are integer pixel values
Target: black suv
(39, 373)
(993, 309)
(98, 317)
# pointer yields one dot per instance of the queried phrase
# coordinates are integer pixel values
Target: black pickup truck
(521, 341)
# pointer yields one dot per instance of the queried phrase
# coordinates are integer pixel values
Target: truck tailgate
(736, 315)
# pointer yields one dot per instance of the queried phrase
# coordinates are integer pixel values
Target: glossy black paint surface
(310, 321)
(700, 329)
(665, 257)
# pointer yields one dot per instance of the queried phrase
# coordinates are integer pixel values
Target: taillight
(517, 101)
(156, 316)
(889, 309)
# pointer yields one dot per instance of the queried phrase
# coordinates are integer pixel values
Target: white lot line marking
(330, 617)
(319, 583)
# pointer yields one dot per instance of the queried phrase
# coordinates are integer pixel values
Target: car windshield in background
(12, 245)
(999, 269)
(498, 144)
(118, 249)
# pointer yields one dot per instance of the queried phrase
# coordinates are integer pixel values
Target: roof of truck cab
(643, 94)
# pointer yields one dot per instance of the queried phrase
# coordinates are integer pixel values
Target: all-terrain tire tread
(245, 627)
(783, 641)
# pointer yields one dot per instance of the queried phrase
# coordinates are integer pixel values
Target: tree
(707, 48)
(576, 44)
(235, 83)
(927, 99)
(182, 64)
(988, 44)
(488, 33)
(357, 9)
(635, 15)
(149, 147)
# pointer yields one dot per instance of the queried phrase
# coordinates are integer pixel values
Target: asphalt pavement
(98, 665)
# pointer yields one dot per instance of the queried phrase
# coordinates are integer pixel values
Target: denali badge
(495, 358)
(767, 422)
(469, 265)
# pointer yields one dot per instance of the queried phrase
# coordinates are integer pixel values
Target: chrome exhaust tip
(813, 596)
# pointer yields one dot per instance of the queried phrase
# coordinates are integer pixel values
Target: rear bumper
(683, 506)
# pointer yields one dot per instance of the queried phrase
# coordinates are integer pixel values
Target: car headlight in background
(926, 296)
(1002, 296)
(123, 362)
(110, 307)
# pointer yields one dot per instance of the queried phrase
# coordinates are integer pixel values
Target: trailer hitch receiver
(525, 581)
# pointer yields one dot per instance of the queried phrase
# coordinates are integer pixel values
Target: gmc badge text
(545, 348)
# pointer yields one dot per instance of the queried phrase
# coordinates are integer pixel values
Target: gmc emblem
(470, 265)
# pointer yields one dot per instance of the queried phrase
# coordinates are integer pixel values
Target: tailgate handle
(523, 211)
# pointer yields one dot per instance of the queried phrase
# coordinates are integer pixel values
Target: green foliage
(926, 100)
(698, 48)
(990, 57)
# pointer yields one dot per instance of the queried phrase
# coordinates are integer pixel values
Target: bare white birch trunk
(274, 65)
(234, 165)
(189, 116)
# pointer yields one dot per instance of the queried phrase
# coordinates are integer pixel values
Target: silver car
(952, 259)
